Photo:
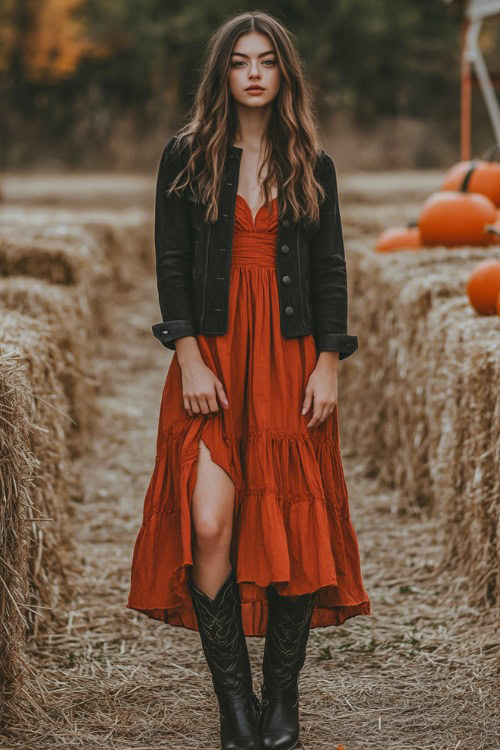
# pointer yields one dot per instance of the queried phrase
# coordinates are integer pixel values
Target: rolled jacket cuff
(170, 330)
(342, 343)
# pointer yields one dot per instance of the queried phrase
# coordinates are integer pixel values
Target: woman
(246, 526)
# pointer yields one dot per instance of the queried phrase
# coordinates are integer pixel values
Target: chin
(254, 101)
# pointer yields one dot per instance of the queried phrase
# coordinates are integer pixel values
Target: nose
(254, 71)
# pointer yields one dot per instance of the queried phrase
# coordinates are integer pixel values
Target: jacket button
(286, 279)
(286, 223)
(164, 331)
(284, 248)
(289, 310)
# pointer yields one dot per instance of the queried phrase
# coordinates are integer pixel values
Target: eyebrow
(242, 54)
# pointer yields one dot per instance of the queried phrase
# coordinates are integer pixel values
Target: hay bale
(17, 465)
(98, 256)
(66, 255)
(125, 236)
(464, 439)
(59, 275)
(72, 324)
(359, 218)
(399, 384)
(58, 279)
(38, 356)
(57, 253)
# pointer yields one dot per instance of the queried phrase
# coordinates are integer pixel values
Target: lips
(255, 88)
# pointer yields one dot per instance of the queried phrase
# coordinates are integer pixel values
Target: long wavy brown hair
(291, 140)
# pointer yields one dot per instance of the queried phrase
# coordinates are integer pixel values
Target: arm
(328, 273)
(173, 255)
(200, 386)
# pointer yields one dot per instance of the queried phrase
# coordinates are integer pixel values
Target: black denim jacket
(193, 261)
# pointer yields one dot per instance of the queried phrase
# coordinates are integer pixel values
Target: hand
(200, 388)
(321, 390)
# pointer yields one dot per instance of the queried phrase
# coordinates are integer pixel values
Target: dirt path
(419, 674)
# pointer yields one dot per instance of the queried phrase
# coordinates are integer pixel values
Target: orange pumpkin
(483, 287)
(456, 217)
(485, 178)
(399, 238)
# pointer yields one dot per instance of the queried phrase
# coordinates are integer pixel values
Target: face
(253, 63)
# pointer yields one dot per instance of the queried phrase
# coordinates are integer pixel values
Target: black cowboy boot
(225, 648)
(284, 655)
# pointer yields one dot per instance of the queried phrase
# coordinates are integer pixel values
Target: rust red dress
(291, 520)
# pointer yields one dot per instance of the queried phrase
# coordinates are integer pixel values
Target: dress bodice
(254, 242)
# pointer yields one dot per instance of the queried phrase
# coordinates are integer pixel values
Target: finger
(318, 410)
(221, 393)
(187, 406)
(195, 406)
(202, 400)
(213, 405)
(324, 413)
(314, 419)
(307, 402)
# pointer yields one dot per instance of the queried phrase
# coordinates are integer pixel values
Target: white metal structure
(476, 11)
(479, 9)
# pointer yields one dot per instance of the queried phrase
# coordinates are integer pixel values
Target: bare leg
(213, 502)
(217, 605)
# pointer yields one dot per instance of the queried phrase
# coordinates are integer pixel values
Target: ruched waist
(254, 248)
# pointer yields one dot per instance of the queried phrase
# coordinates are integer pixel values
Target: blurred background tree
(88, 84)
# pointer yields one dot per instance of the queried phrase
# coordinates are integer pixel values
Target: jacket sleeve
(173, 255)
(328, 273)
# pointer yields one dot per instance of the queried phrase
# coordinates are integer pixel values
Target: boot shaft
(222, 637)
(287, 635)
(224, 645)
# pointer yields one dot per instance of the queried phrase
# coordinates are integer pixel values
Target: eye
(237, 63)
(273, 62)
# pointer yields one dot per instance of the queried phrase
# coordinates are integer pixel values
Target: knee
(210, 534)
